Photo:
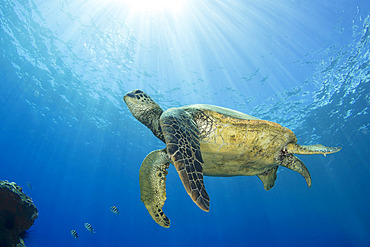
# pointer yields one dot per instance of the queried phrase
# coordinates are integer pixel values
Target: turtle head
(146, 110)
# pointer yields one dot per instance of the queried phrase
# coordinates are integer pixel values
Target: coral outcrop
(17, 214)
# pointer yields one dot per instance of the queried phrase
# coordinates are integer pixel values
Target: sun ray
(152, 5)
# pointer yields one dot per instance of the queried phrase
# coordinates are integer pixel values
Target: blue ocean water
(66, 64)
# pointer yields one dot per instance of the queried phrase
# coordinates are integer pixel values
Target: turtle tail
(294, 148)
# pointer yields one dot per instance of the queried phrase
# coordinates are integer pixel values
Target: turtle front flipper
(293, 163)
(153, 185)
(268, 178)
(182, 139)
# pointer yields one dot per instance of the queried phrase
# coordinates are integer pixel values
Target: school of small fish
(89, 227)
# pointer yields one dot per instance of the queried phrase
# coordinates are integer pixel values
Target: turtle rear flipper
(293, 163)
(268, 178)
(182, 139)
(153, 185)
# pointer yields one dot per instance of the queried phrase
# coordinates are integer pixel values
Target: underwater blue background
(64, 128)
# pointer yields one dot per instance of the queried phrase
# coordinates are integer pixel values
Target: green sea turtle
(212, 141)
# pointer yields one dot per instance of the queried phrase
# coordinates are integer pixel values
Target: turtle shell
(233, 143)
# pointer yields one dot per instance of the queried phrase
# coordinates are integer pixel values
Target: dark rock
(17, 214)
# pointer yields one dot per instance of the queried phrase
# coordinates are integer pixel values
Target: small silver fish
(74, 234)
(89, 228)
(114, 210)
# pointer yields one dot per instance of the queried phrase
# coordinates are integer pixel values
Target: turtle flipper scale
(293, 163)
(182, 139)
(153, 185)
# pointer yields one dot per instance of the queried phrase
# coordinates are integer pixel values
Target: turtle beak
(128, 96)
